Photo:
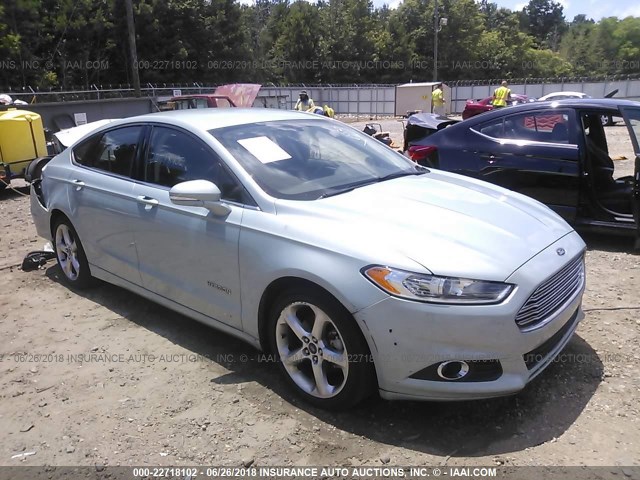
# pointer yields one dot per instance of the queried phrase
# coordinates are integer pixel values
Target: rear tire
(70, 255)
(606, 120)
(320, 349)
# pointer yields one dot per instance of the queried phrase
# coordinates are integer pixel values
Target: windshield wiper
(390, 176)
(404, 173)
(346, 189)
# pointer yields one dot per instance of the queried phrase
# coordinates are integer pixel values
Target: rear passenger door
(534, 153)
(101, 197)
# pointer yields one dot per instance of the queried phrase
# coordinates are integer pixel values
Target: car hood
(446, 223)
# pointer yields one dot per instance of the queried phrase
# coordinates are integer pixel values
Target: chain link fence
(358, 100)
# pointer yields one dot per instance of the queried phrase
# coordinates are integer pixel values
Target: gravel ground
(158, 388)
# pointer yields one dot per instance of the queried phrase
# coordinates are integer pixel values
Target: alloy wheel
(67, 252)
(312, 350)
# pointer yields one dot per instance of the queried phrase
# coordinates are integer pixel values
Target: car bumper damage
(39, 212)
(458, 352)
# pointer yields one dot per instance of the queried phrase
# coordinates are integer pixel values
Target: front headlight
(436, 289)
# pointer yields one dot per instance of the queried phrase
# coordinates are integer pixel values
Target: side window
(184, 104)
(493, 129)
(550, 127)
(113, 151)
(222, 103)
(176, 157)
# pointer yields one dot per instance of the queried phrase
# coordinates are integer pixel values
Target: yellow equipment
(21, 141)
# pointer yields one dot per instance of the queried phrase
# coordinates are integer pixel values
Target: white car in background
(566, 95)
(551, 97)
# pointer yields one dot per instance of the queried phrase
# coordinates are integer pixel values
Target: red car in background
(187, 102)
(475, 107)
(225, 96)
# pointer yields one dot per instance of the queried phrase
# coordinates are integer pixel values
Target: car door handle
(147, 200)
(77, 183)
(490, 156)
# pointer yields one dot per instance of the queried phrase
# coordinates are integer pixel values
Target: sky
(595, 9)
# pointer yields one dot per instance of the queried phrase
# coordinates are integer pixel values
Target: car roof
(212, 118)
(610, 103)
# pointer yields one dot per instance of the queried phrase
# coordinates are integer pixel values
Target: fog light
(453, 370)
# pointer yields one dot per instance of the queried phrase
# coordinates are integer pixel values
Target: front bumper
(406, 337)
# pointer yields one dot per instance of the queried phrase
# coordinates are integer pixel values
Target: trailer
(22, 140)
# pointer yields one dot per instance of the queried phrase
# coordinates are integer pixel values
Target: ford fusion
(356, 268)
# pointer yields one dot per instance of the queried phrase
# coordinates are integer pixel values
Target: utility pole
(132, 47)
(436, 27)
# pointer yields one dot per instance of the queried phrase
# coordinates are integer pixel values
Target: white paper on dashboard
(264, 149)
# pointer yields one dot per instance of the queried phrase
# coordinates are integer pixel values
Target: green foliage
(608, 47)
(80, 43)
(544, 20)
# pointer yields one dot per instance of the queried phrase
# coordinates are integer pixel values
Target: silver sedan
(354, 267)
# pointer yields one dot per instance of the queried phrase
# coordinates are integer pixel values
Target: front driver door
(187, 254)
(632, 119)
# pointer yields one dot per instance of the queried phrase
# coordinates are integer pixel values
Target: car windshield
(308, 159)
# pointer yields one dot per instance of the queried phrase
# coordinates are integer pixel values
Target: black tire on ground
(359, 381)
(70, 255)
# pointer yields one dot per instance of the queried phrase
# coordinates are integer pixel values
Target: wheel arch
(276, 288)
(280, 285)
(56, 214)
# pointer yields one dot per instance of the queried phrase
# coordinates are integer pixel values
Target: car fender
(337, 274)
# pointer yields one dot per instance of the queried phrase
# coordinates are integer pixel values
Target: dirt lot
(158, 388)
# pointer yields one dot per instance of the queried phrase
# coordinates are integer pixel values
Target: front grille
(541, 352)
(552, 294)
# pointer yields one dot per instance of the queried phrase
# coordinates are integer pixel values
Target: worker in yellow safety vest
(304, 103)
(437, 100)
(501, 95)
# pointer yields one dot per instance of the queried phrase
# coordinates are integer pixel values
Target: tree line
(79, 43)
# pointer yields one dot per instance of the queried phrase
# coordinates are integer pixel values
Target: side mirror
(199, 193)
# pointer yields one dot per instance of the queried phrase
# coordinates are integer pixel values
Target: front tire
(320, 349)
(70, 255)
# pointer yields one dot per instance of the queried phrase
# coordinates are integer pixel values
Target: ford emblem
(560, 251)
